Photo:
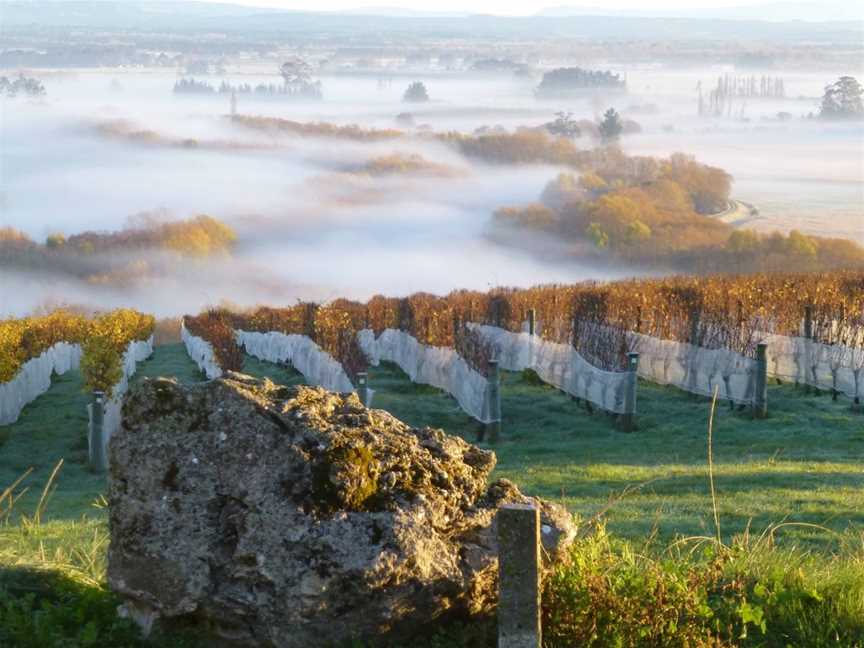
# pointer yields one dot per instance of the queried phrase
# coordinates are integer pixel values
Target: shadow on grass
(42, 607)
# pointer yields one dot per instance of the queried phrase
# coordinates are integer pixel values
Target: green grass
(170, 360)
(280, 374)
(54, 427)
(51, 428)
(802, 467)
(804, 464)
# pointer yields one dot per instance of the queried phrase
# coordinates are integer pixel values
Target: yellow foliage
(397, 163)
(24, 339)
(199, 237)
(590, 181)
(104, 340)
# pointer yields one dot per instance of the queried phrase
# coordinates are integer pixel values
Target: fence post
(494, 404)
(808, 336)
(760, 397)
(96, 453)
(363, 388)
(808, 322)
(629, 420)
(532, 321)
(692, 377)
(519, 573)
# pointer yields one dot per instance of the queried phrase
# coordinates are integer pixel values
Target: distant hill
(143, 15)
(832, 10)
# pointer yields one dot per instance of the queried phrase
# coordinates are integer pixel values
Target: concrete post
(519, 574)
(532, 321)
(98, 460)
(363, 388)
(760, 395)
(629, 418)
(494, 404)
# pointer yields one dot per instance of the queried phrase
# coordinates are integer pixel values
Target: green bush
(699, 594)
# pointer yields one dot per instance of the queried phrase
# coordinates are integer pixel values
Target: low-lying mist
(318, 218)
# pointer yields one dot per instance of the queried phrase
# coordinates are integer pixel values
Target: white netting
(559, 365)
(696, 369)
(202, 353)
(824, 366)
(317, 366)
(34, 379)
(113, 408)
(440, 367)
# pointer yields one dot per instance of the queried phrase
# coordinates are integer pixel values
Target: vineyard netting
(440, 367)
(318, 367)
(696, 369)
(559, 365)
(699, 370)
(34, 379)
(201, 352)
(136, 352)
(691, 368)
(830, 367)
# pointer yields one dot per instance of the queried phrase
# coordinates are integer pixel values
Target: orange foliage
(216, 327)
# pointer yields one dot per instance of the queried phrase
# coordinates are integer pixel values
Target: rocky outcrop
(278, 516)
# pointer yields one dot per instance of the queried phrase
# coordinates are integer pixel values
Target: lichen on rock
(293, 516)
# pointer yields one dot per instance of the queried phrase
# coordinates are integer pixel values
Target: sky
(499, 7)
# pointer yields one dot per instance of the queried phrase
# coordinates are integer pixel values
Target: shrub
(215, 326)
(54, 241)
(608, 593)
(24, 339)
(104, 340)
(101, 364)
(109, 336)
(416, 93)
(12, 235)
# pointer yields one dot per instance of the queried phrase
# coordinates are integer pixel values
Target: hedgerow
(104, 339)
(719, 311)
(214, 326)
(106, 342)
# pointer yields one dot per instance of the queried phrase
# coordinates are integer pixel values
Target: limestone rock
(279, 516)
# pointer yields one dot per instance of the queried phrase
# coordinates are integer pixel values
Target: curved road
(738, 213)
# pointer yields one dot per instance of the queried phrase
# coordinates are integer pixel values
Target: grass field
(804, 464)
(802, 467)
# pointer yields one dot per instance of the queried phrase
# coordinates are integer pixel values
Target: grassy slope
(54, 427)
(71, 537)
(803, 464)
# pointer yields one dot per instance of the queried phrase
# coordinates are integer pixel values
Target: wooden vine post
(493, 394)
(760, 397)
(808, 336)
(628, 420)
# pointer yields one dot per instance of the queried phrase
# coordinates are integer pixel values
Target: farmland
(514, 230)
(798, 473)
